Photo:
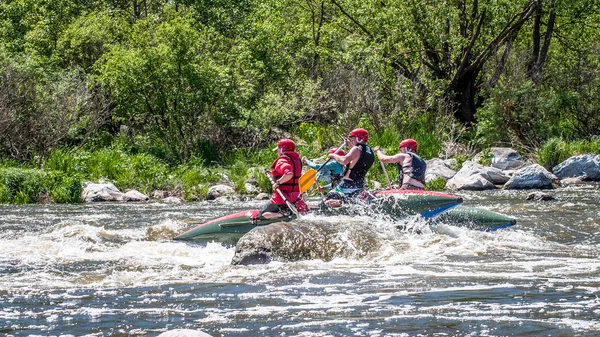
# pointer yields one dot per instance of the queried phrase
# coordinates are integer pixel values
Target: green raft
(392, 203)
(473, 218)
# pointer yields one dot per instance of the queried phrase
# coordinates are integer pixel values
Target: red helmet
(340, 152)
(286, 145)
(409, 143)
(360, 133)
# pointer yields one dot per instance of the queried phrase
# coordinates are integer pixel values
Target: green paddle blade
(307, 180)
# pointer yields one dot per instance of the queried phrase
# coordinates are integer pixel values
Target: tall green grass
(24, 186)
(556, 150)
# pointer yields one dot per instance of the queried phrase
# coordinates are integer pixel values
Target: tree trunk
(464, 90)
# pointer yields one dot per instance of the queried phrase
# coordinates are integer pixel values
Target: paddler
(286, 170)
(358, 160)
(411, 167)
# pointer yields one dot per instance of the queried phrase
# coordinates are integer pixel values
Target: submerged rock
(539, 196)
(284, 241)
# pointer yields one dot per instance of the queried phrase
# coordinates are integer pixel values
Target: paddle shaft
(386, 175)
(287, 202)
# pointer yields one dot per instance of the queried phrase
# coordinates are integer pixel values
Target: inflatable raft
(473, 218)
(391, 203)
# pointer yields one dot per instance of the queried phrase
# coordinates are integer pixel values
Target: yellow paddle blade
(307, 180)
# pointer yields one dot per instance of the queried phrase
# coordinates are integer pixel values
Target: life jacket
(292, 185)
(360, 169)
(416, 170)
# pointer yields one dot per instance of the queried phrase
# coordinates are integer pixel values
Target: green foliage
(194, 181)
(23, 185)
(486, 157)
(437, 184)
(163, 94)
(65, 188)
(460, 159)
(169, 82)
(555, 150)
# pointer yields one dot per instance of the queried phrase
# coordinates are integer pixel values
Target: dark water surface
(112, 270)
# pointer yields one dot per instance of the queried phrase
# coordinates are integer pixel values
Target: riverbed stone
(437, 167)
(506, 158)
(540, 196)
(220, 190)
(171, 200)
(252, 189)
(586, 166)
(159, 194)
(262, 196)
(103, 191)
(133, 195)
(531, 177)
(476, 177)
(572, 181)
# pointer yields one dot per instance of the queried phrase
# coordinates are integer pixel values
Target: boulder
(531, 177)
(476, 177)
(572, 181)
(172, 200)
(217, 191)
(252, 189)
(539, 196)
(159, 194)
(262, 196)
(438, 168)
(133, 195)
(287, 242)
(103, 191)
(586, 166)
(506, 158)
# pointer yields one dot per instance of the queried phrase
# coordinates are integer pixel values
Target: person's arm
(397, 158)
(334, 167)
(287, 175)
(348, 158)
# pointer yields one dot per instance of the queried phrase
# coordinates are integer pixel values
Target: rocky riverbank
(507, 170)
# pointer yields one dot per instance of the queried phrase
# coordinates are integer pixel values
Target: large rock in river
(284, 241)
(531, 177)
(476, 177)
(586, 166)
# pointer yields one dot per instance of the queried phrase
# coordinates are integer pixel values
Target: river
(111, 269)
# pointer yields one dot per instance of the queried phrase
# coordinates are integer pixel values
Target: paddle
(287, 202)
(386, 175)
(310, 176)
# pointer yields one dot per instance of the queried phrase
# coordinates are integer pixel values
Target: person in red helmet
(411, 167)
(331, 174)
(358, 160)
(286, 172)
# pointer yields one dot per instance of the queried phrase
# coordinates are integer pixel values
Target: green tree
(170, 83)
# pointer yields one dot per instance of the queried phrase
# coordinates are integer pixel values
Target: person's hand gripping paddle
(287, 202)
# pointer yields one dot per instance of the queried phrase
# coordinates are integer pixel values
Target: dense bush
(22, 186)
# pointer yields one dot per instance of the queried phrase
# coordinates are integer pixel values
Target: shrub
(66, 189)
(437, 184)
(22, 186)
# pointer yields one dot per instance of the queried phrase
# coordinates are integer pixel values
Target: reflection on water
(112, 270)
